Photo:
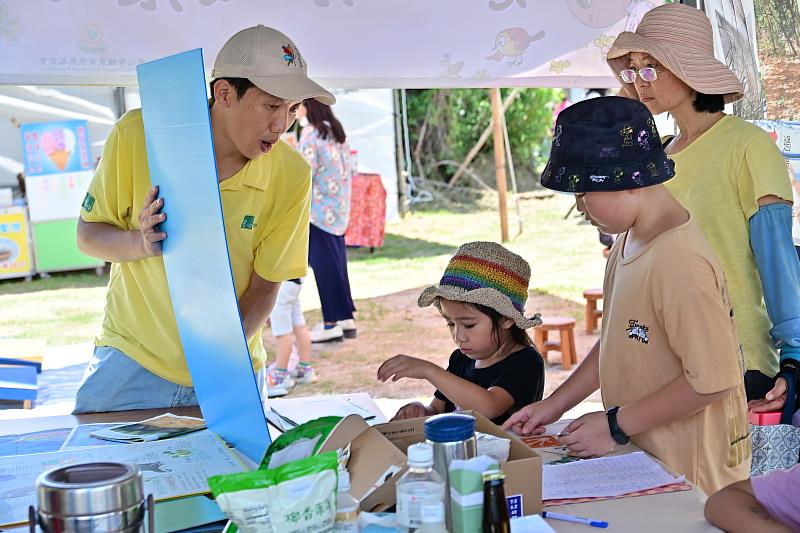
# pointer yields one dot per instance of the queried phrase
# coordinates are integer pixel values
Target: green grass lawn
(565, 255)
(565, 258)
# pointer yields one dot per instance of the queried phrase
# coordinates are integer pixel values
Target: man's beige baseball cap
(272, 62)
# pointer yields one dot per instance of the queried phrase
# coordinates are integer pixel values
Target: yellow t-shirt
(265, 207)
(666, 314)
(719, 179)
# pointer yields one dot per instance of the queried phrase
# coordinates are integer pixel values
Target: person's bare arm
(257, 302)
(735, 509)
(675, 401)
(491, 402)
(116, 245)
(419, 410)
(531, 419)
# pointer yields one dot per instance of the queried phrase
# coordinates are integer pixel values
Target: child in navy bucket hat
(606, 144)
(668, 362)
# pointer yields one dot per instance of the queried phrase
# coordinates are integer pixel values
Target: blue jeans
(115, 382)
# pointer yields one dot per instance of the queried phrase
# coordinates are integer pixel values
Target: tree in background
(778, 34)
(778, 23)
(444, 124)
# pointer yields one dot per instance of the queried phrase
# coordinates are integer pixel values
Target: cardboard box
(523, 485)
(373, 459)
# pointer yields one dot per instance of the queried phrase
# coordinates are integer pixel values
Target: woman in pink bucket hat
(733, 180)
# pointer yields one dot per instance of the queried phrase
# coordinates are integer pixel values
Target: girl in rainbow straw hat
(495, 368)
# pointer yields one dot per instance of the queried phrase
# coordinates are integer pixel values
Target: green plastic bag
(299, 442)
(297, 497)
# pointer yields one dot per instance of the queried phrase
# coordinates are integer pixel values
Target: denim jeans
(115, 382)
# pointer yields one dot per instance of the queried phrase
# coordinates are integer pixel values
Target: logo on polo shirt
(88, 203)
(638, 331)
(248, 222)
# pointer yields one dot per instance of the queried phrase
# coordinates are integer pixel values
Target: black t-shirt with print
(521, 374)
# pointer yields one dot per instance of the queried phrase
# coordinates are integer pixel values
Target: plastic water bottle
(432, 518)
(346, 507)
(418, 487)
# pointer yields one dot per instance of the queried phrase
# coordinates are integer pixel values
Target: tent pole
(484, 137)
(500, 160)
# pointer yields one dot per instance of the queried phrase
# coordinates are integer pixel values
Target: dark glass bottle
(495, 509)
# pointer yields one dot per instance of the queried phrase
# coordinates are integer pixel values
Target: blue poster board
(180, 153)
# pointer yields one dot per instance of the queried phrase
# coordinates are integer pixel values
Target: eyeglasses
(648, 74)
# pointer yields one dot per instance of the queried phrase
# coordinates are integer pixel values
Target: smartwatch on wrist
(617, 434)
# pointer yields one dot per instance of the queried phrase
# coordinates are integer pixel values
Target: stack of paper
(604, 477)
(288, 413)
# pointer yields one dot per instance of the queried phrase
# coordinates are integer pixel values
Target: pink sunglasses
(648, 74)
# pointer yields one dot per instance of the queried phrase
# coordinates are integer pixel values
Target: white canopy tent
(347, 43)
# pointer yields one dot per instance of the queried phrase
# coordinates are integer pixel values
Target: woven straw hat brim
(486, 296)
(702, 72)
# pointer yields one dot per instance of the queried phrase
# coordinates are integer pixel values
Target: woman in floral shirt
(323, 144)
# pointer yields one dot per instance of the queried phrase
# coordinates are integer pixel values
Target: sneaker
(304, 374)
(276, 392)
(348, 328)
(279, 380)
(319, 334)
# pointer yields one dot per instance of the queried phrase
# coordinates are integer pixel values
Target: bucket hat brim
(699, 71)
(484, 296)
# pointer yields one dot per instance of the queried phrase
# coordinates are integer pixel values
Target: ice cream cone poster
(56, 147)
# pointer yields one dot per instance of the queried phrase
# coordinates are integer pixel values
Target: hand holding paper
(532, 419)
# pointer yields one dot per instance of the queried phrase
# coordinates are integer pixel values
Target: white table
(676, 512)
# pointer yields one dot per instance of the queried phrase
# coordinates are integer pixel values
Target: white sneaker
(319, 334)
(348, 328)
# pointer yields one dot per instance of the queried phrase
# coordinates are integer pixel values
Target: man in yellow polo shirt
(259, 81)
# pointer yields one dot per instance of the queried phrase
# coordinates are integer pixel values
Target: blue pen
(575, 519)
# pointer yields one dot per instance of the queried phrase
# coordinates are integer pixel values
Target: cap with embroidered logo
(272, 62)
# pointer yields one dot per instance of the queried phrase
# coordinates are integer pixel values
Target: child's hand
(588, 436)
(405, 366)
(411, 410)
(532, 419)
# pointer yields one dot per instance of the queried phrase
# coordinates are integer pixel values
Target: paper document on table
(604, 477)
(171, 468)
(296, 411)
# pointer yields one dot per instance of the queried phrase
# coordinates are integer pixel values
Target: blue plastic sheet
(180, 154)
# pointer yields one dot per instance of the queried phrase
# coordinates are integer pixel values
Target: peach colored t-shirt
(667, 314)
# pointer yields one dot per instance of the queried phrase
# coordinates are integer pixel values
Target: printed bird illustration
(450, 69)
(513, 43)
